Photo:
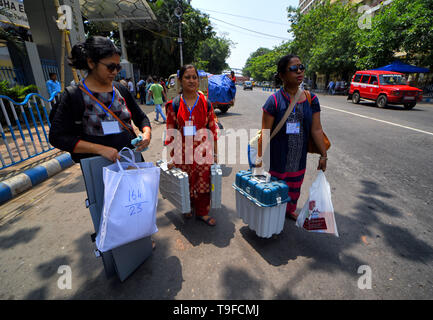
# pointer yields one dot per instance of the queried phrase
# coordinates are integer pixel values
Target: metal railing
(29, 134)
(49, 66)
(14, 76)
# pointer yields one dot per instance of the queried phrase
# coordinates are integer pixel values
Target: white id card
(110, 127)
(293, 127)
(189, 129)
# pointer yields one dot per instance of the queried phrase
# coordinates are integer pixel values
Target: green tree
(403, 26)
(264, 67)
(259, 52)
(155, 49)
(325, 38)
(213, 53)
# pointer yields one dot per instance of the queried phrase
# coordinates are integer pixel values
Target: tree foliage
(329, 40)
(262, 64)
(404, 26)
(156, 49)
(212, 54)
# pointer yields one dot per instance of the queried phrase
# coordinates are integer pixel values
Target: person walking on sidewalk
(81, 125)
(156, 93)
(188, 113)
(288, 148)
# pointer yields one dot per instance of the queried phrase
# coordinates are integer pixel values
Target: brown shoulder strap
(308, 94)
(106, 109)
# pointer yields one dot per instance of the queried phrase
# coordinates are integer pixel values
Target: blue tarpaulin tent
(398, 66)
(221, 89)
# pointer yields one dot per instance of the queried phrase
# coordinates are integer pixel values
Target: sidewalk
(21, 177)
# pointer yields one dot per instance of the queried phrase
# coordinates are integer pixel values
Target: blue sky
(246, 41)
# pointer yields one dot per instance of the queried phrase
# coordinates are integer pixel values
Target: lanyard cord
(112, 100)
(190, 110)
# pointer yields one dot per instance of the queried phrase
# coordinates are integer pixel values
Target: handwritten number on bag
(134, 197)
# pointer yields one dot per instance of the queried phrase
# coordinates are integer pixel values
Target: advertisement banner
(12, 12)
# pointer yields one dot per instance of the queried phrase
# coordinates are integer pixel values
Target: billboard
(12, 12)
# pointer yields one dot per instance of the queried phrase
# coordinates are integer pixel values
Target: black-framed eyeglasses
(296, 68)
(112, 66)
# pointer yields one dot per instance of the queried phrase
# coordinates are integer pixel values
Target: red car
(383, 87)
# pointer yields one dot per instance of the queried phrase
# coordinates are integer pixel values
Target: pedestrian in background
(123, 82)
(331, 86)
(194, 113)
(141, 87)
(288, 148)
(156, 93)
(53, 85)
(131, 87)
(149, 100)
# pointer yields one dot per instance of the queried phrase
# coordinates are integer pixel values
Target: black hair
(52, 74)
(95, 48)
(282, 68)
(186, 67)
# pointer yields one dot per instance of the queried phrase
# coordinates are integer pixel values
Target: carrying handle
(130, 160)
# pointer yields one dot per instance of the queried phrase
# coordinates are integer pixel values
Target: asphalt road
(382, 188)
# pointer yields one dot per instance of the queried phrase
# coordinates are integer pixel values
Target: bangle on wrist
(323, 158)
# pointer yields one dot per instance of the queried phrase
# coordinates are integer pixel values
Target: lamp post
(178, 13)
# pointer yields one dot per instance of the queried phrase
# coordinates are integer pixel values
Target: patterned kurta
(202, 151)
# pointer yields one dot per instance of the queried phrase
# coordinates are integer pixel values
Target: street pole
(180, 42)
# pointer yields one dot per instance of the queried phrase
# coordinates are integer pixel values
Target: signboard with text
(12, 12)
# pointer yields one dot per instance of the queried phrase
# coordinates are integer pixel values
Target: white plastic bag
(130, 203)
(317, 215)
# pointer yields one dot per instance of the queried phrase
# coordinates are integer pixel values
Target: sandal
(188, 215)
(291, 216)
(208, 221)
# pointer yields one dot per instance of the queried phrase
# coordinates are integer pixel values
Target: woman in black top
(94, 131)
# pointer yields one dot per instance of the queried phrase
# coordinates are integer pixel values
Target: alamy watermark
(365, 280)
(364, 21)
(65, 280)
(65, 17)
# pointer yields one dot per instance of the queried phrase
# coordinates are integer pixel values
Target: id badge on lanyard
(110, 127)
(189, 129)
(293, 127)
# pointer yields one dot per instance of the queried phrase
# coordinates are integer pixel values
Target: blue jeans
(158, 111)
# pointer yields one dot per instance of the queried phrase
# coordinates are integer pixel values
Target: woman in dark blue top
(288, 149)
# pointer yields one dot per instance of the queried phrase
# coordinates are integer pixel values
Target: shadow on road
(332, 254)
(197, 232)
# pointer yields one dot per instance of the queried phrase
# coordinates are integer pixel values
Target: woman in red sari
(195, 121)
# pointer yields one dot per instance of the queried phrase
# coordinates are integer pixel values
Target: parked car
(383, 87)
(341, 87)
(248, 85)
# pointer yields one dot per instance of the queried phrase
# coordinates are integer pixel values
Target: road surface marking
(387, 122)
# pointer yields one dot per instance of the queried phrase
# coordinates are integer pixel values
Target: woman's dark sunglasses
(112, 66)
(296, 68)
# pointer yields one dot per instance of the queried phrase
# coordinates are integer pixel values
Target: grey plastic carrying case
(216, 186)
(174, 186)
(125, 259)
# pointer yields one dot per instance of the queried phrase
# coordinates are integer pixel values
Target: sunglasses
(296, 68)
(112, 66)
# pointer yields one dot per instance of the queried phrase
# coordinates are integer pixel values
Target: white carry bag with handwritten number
(130, 203)
(317, 215)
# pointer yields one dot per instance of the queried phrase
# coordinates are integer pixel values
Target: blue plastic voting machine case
(261, 202)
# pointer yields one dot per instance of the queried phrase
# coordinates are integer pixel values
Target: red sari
(199, 174)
